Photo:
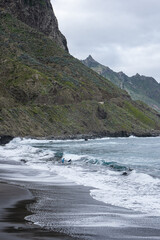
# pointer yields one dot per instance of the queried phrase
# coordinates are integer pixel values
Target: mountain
(44, 91)
(37, 14)
(142, 88)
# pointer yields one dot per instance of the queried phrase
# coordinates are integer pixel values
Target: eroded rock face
(37, 14)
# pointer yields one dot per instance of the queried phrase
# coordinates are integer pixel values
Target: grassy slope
(145, 89)
(45, 91)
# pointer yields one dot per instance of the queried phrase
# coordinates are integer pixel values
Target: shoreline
(88, 218)
(13, 225)
(60, 210)
(10, 196)
(4, 139)
(102, 135)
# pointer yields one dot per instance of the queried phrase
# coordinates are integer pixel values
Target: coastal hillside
(142, 88)
(44, 91)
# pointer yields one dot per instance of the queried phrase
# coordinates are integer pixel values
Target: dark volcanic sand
(13, 202)
(70, 204)
(9, 196)
(73, 211)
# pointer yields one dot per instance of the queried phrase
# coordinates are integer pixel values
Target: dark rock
(130, 169)
(38, 15)
(5, 139)
(125, 174)
(124, 134)
(23, 160)
(119, 134)
(101, 113)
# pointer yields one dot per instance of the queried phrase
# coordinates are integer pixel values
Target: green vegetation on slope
(146, 89)
(44, 91)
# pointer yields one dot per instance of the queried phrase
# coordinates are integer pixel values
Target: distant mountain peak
(90, 59)
(137, 75)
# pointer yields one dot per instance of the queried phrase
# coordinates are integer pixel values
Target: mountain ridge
(139, 87)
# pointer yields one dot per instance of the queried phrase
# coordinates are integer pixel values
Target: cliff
(37, 14)
(44, 91)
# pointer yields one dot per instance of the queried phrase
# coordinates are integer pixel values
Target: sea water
(123, 172)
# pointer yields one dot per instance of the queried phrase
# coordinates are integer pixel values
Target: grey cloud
(123, 34)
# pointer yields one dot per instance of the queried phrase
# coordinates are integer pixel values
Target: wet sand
(72, 211)
(74, 215)
(13, 210)
(9, 196)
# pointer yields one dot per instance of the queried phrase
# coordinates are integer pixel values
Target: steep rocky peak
(137, 75)
(90, 62)
(38, 14)
(90, 59)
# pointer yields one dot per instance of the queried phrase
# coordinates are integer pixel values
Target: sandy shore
(73, 211)
(9, 196)
(13, 202)
(87, 218)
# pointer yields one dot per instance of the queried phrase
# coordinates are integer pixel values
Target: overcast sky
(121, 34)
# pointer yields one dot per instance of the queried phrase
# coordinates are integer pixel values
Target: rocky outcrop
(4, 139)
(37, 14)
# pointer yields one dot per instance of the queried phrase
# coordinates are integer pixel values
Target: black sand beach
(10, 195)
(14, 201)
(73, 213)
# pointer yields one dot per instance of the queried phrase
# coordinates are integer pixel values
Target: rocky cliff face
(37, 14)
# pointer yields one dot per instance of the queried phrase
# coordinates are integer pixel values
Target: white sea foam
(137, 191)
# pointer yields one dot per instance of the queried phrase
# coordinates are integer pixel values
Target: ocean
(123, 173)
